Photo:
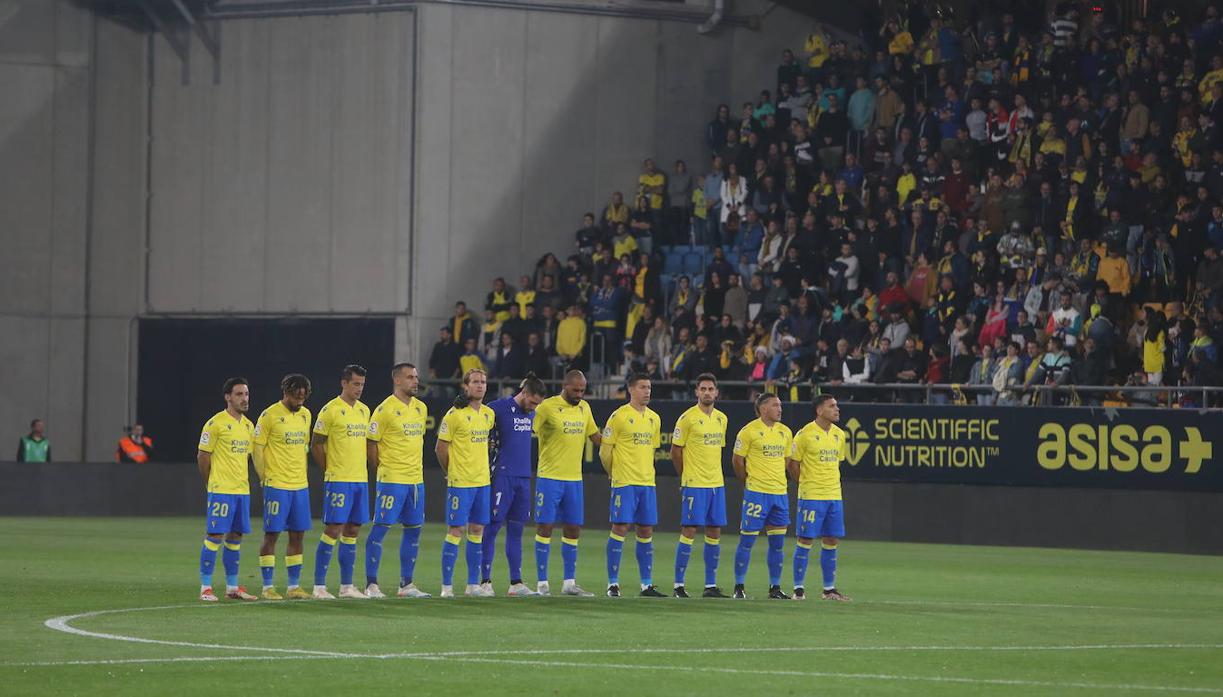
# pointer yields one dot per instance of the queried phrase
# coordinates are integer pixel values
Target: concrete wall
(70, 222)
(285, 188)
(529, 119)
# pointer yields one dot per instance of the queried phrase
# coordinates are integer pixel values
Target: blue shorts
(511, 499)
(228, 513)
(823, 518)
(467, 504)
(345, 502)
(634, 503)
(760, 510)
(703, 506)
(400, 503)
(559, 501)
(286, 509)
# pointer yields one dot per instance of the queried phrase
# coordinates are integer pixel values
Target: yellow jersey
(229, 441)
(345, 428)
(764, 450)
(466, 430)
(285, 436)
(702, 437)
(819, 454)
(633, 437)
(647, 181)
(399, 430)
(562, 429)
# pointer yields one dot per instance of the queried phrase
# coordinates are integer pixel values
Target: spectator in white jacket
(734, 193)
(769, 257)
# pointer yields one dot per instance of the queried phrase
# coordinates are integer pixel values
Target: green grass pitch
(927, 619)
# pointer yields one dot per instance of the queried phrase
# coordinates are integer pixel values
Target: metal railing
(887, 393)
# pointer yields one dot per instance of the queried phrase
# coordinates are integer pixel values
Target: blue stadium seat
(673, 263)
(681, 249)
(694, 263)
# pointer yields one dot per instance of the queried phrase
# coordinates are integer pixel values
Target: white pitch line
(639, 667)
(829, 674)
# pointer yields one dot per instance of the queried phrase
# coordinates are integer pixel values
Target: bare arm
(318, 449)
(371, 457)
(443, 456)
(792, 469)
(740, 466)
(260, 462)
(677, 458)
(204, 461)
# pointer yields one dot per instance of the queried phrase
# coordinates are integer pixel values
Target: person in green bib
(34, 447)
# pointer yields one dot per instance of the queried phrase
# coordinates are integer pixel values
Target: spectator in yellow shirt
(571, 336)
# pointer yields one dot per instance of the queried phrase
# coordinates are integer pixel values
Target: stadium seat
(681, 249)
(672, 263)
(694, 263)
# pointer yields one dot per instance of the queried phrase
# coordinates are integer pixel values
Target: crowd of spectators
(1000, 203)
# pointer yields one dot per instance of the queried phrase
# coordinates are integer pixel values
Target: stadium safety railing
(887, 393)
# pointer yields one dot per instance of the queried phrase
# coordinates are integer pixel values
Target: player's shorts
(703, 506)
(286, 509)
(345, 502)
(511, 499)
(760, 510)
(467, 504)
(228, 513)
(634, 503)
(400, 503)
(559, 501)
(820, 518)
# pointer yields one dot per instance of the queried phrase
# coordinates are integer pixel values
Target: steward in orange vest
(134, 447)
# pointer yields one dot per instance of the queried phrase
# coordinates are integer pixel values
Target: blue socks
(543, 548)
(712, 552)
(293, 565)
(513, 549)
(267, 568)
(777, 552)
(373, 551)
(489, 550)
(645, 560)
(683, 552)
(229, 558)
(475, 554)
(450, 555)
(615, 547)
(208, 561)
(409, 546)
(348, 559)
(802, 555)
(828, 565)
(743, 555)
(322, 559)
(569, 557)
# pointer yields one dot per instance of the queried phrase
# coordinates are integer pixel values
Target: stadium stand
(1001, 203)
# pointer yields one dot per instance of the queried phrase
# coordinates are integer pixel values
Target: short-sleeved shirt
(633, 436)
(512, 438)
(399, 430)
(652, 180)
(702, 436)
(563, 430)
(345, 427)
(285, 437)
(819, 454)
(466, 430)
(764, 450)
(230, 442)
